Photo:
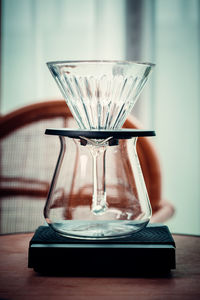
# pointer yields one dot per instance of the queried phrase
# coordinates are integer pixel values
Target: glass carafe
(98, 190)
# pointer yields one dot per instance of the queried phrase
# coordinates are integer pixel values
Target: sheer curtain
(176, 114)
(164, 32)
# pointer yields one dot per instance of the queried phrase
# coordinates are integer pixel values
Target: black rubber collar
(99, 134)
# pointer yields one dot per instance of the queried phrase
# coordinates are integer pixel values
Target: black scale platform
(149, 251)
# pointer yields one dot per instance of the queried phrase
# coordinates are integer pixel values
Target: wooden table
(19, 282)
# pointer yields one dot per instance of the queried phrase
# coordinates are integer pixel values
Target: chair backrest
(28, 160)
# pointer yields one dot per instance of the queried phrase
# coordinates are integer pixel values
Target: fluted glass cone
(100, 94)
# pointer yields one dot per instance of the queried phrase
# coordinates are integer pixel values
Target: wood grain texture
(19, 282)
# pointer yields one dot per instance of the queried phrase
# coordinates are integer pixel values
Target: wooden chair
(27, 162)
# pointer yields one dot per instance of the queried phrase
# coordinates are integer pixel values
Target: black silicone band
(99, 134)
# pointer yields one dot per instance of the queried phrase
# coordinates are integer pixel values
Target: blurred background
(166, 33)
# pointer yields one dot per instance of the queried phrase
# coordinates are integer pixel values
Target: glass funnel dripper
(100, 94)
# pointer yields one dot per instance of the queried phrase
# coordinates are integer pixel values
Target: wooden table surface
(19, 282)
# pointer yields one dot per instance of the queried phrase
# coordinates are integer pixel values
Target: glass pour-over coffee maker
(98, 190)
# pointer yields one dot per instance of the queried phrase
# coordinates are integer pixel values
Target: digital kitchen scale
(149, 251)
